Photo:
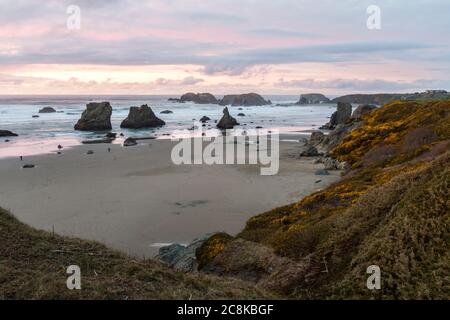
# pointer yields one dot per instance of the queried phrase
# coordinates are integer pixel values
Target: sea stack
(141, 117)
(96, 117)
(47, 110)
(227, 121)
(248, 99)
(313, 98)
(199, 98)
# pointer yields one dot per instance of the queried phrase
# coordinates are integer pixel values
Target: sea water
(44, 133)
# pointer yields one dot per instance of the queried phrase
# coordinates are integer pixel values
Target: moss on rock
(211, 248)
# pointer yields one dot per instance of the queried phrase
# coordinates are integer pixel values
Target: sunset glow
(163, 47)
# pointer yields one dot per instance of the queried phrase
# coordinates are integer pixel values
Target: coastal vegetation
(33, 265)
(390, 209)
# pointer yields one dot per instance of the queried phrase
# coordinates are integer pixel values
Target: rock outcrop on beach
(47, 110)
(199, 98)
(341, 116)
(308, 151)
(7, 133)
(313, 98)
(248, 99)
(141, 117)
(362, 110)
(129, 142)
(181, 258)
(316, 138)
(337, 135)
(96, 117)
(227, 121)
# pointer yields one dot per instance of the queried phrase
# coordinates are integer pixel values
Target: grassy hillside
(391, 209)
(33, 266)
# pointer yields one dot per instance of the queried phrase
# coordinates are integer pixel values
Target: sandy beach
(135, 199)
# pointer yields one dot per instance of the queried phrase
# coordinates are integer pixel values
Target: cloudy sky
(223, 46)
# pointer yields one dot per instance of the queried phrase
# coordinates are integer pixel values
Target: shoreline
(12, 147)
(142, 200)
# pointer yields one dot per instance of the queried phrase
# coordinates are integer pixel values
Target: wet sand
(135, 199)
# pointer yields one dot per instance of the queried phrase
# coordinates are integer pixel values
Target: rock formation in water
(204, 119)
(96, 117)
(248, 99)
(227, 121)
(47, 110)
(199, 98)
(7, 133)
(141, 117)
(313, 98)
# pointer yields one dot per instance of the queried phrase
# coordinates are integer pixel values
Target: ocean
(43, 134)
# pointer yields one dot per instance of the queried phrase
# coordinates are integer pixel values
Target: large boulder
(182, 258)
(316, 138)
(308, 151)
(333, 164)
(141, 117)
(96, 117)
(227, 121)
(362, 110)
(7, 133)
(47, 110)
(341, 116)
(129, 142)
(200, 98)
(313, 98)
(248, 99)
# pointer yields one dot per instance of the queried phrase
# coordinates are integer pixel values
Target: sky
(223, 46)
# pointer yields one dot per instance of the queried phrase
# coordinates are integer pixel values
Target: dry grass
(33, 266)
(391, 209)
(403, 226)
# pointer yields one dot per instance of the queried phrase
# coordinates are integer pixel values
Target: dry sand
(135, 199)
